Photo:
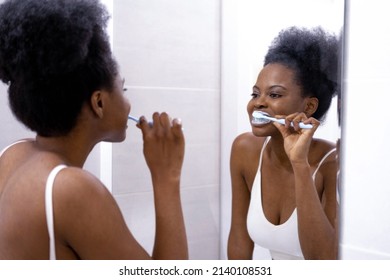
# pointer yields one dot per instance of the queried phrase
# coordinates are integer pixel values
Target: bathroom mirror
(198, 60)
(245, 42)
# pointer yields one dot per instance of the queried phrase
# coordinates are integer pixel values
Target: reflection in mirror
(256, 28)
(175, 58)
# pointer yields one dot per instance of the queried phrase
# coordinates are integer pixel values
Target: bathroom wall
(169, 52)
(365, 140)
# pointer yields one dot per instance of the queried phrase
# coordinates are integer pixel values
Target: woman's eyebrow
(277, 86)
(256, 88)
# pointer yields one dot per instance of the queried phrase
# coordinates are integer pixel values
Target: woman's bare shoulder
(78, 194)
(325, 155)
(321, 147)
(247, 141)
(79, 182)
(89, 220)
(245, 152)
(323, 143)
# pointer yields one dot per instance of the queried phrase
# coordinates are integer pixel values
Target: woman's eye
(254, 95)
(274, 95)
(124, 89)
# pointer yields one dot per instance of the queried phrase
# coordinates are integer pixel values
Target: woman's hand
(164, 154)
(163, 146)
(297, 140)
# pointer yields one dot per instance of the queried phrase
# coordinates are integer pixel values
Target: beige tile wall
(169, 55)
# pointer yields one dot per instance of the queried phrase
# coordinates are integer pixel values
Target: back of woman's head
(313, 55)
(53, 55)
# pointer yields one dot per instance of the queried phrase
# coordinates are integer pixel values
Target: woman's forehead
(276, 74)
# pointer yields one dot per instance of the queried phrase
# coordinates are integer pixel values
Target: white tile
(138, 212)
(201, 215)
(168, 43)
(199, 111)
(201, 165)
(368, 40)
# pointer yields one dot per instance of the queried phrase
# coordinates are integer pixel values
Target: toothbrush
(133, 119)
(137, 120)
(257, 115)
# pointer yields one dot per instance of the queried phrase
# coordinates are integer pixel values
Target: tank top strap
(49, 209)
(256, 186)
(262, 151)
(322, 161)
(9, 146)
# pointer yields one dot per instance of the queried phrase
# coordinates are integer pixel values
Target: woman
(64, 85)
(284, 180)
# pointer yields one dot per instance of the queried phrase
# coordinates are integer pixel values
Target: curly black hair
(53, 55)
(313, 55)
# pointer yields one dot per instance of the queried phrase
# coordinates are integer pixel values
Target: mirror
(245, 42)
(197, 60)
(175, 58)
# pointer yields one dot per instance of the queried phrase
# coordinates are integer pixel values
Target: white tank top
(281, 240)
(49, 209)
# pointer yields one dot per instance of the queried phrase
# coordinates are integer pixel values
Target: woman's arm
(240, 245)
(316, 218)
(89, 222)
(164, 154)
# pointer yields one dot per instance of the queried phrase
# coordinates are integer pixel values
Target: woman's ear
(311, 106)
(97, 103)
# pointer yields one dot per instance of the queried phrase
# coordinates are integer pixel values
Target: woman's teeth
(256, 120)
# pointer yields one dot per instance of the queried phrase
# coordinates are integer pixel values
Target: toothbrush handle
(137, 120)
(133, 118)
(301, 124)
(307, 126)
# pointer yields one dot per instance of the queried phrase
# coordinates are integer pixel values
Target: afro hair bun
(314, 56)
(52, 38)
(53, 55)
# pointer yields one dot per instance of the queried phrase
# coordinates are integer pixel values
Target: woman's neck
(277, 154)
(73, 148)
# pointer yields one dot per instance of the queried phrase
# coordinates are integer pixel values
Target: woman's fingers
(293, 121)
(163, 143)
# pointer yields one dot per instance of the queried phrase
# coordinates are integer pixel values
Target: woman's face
(276, 92)
(119, 109)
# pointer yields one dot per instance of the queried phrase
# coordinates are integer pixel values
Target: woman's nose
(260, 102)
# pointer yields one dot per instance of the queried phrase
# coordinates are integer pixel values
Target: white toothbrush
(133, 119)
(137, 120)
(259, 117)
